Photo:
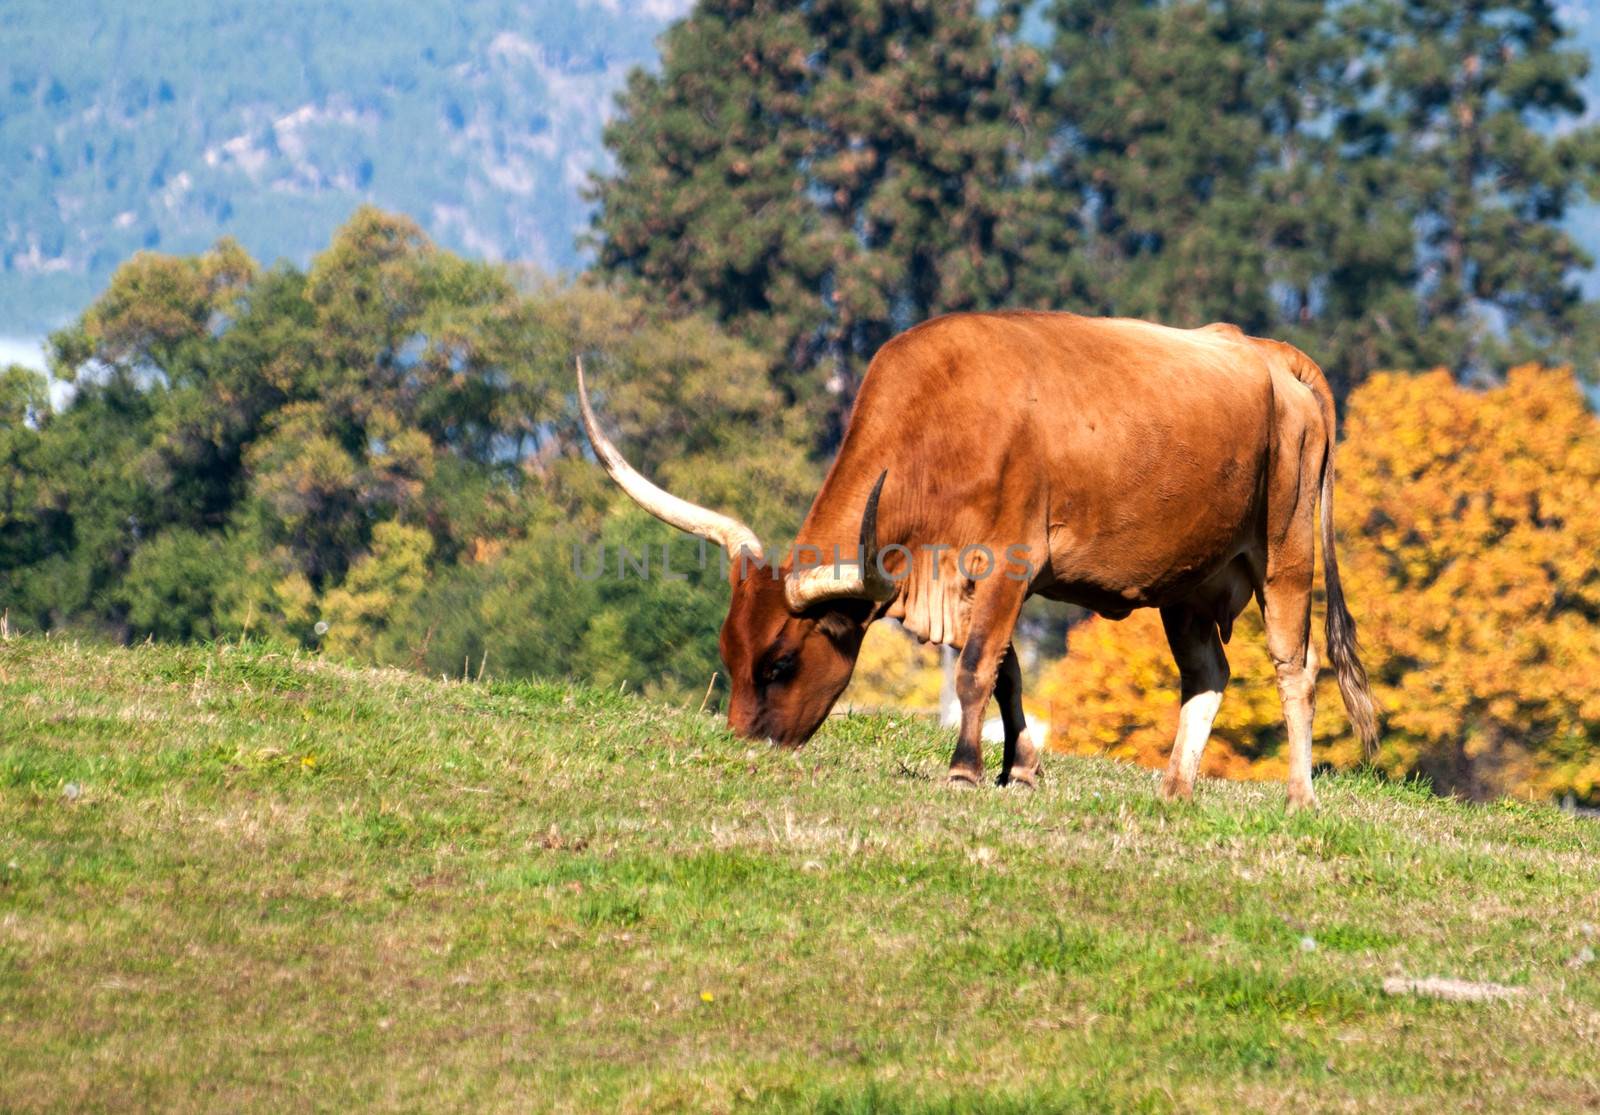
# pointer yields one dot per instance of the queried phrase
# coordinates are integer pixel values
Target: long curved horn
(857, 580)
(726, 531)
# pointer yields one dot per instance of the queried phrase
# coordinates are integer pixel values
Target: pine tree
(821, 175)
(1467, 96)
(1364, 180)
(1196, 142)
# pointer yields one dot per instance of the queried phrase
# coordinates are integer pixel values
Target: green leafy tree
(172, 585)
(692, 408)
(389, 575)
(381, 456)
(25, 527)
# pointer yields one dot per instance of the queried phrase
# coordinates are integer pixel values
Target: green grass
(233, 879)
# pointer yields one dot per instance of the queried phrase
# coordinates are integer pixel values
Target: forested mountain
(166, 124)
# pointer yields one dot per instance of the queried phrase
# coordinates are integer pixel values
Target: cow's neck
(834, 522)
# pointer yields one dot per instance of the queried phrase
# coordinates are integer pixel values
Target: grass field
(230, 879)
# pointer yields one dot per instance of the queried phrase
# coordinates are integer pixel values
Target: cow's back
(1136, 450)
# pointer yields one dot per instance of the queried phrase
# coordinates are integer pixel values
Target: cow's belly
(1141, 520)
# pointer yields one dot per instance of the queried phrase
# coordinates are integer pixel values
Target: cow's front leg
(975, 677)
(994, 614)
(1021, 763)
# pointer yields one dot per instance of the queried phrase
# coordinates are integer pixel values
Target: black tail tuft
(1343, 648)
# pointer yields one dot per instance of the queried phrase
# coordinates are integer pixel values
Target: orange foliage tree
(1470, 547)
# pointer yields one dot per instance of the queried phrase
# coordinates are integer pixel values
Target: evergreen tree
(1197, 150)
(1365, 180)
(1474, 106)
(821, 175)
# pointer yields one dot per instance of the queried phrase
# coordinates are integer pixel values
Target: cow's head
(792, 634)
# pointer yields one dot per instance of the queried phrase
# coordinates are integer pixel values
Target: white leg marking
(1194, 729)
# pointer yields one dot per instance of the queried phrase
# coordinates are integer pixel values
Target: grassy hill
(230, 878)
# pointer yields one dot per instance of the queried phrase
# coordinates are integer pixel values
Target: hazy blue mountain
(166, 123)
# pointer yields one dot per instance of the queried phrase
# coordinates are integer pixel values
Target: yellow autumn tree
(1470, 529)
(378, 584)
(894, 671)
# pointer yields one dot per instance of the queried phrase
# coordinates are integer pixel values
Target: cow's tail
(1343, 648)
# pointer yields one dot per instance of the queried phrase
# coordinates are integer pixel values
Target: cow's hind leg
(1021, 763)
(1286, 599)
(1286, 607)
(1203, 673)
(976, 671)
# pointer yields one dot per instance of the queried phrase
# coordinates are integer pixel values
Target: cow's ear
(840, 625)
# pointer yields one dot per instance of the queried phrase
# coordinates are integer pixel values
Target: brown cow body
(1109, 463)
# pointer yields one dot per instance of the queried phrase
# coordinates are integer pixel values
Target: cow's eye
(779, 668)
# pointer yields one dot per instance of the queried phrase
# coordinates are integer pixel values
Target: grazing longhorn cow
(1110, 463)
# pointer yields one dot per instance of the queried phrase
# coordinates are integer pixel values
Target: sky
(17, 350)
